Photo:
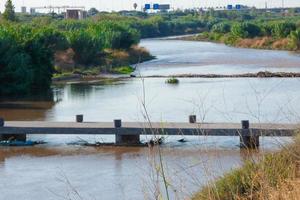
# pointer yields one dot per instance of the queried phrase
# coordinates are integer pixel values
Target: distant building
(75, 14)
(23, 9)
(32, 11)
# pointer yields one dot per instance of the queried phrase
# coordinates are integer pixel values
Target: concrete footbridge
(128, 133)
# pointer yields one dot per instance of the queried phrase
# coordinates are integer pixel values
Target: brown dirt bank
(267, 43)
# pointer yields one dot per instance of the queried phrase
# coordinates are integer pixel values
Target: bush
(172, 80)
(85, 46)
(123, 70)
(27, 59)
(255, 176)
(283, 29)
(245, 30)
(295, 40)
(221, 28)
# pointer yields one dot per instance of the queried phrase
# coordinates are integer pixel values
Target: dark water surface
(60, 171)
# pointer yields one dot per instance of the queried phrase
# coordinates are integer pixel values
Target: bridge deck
(136, 128)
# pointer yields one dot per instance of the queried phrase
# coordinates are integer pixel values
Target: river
(58, 170)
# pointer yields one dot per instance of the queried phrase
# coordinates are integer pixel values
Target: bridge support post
(79, 118)
(1, 125)
(5, 137)
(122, 139)
(192, 119)
(248, 139)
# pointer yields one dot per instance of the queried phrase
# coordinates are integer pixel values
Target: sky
(109, 5)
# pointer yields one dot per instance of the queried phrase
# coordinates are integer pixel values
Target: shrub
(283, 29)
(221, 28)
(245, 30)
(123, 70)
(85, 46)
(172, 80)
(255, 177)
(295, 40)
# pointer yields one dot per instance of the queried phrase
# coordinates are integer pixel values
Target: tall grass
(256, 179)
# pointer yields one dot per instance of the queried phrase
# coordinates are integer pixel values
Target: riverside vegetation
(35, 48)
(259, 30)
(273, 176)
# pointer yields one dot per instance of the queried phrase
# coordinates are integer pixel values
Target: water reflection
(79, 91)
(213, 100)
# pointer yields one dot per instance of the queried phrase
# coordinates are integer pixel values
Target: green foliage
(245, 30)
(85, 46)
(283, 29)
(295, 39)
(9, 12)
(92, 11)
(222, 27)
(41, 47)
(115, 35)
(27, 49)
(172, 80)
(254, 176)
(27, 59)
(123, 70)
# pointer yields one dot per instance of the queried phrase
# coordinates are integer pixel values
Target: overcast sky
(109, 5)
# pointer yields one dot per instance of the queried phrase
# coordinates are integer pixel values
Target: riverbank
(266, 42)
(273, 176)
(113, 62)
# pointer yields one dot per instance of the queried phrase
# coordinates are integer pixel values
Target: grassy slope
(255, 43)
(275, 176)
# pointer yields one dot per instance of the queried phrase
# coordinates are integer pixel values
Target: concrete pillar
(79, 118)
(247, 139)
(5, 137)
(118, 123)
(18, 137)
(192, 119)
(1, 122)
(124, 139)
(1, 125)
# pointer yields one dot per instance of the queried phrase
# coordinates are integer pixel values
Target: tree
(245, 30)
(15, 73)
(41, 48)
(93, 11)
(85, 46)
(295, 39)
(283, 29)
(222, 27)
(9, 13)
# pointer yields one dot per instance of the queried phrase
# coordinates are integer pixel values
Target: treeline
(26, 61)
(28, 50)
(283, 33)
(31, 46)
